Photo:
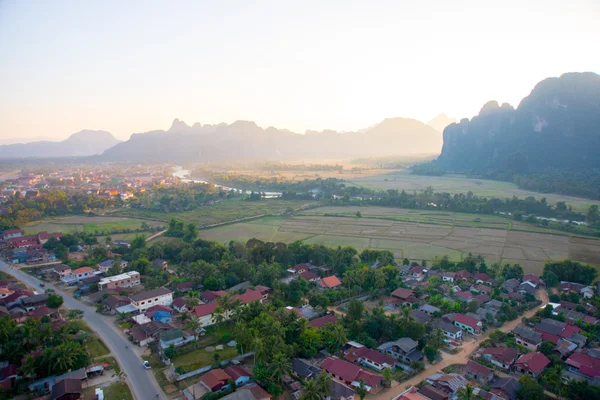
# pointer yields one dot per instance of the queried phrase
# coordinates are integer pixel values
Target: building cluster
(18, 248)
(102, 181)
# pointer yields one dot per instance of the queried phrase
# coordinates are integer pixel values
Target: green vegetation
(201, 358)
(96, 347)
(118, 391)
(225, 211)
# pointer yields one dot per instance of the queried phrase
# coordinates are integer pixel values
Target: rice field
(95, 224)
(416, 235)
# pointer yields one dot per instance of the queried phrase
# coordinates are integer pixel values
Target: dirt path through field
(459, 358)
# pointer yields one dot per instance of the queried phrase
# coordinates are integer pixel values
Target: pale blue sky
(134, 66)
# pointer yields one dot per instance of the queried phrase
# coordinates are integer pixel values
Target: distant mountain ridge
(440, 122)
(554, 129)
(83, 143)
(246, 140)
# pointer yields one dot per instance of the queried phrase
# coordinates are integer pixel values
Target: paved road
(141, 381)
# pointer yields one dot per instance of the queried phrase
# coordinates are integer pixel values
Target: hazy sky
(134, 66)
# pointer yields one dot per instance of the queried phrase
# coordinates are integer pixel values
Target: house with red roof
(533, 279)
(179, 305)
(502, 357)
(210, 296)
(479, 372)
(238, 374)
(184, 287)
(215, 380)
(309, 276)
(482, 277)
(298, 268)
(330, 282)
(351, 374)
(324, 320)
(532, 364)
(370, 358)
(467, 324)
(403, 296)
(83, 272)
(464, 296)
(11, 233)
(462, 274)
(582, 364)
(448, 276)
(417, 273)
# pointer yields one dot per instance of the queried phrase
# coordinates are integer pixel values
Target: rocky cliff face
(555, 128)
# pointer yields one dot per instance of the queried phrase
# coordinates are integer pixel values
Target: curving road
(141, 381)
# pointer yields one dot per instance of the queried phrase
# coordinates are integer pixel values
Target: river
(183, 175)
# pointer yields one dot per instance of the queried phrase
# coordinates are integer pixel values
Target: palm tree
(361, 390)
(279, 367)
(387, 376)
(225, 302)
(218, 315)
(324, 384)
(193, 324)
(122, 316)
(28, 369)
(191, 300)
(406, 312)
(259, 349)
(339, 332)
(311, 391)
(465, 393)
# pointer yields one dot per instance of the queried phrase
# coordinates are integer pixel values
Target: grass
(403, 180)
(226, 211)
(78, 223)
(416, 235)
(201, 358)
(96, 347)
(116, 391)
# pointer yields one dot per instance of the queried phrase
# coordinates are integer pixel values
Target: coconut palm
(193, 324)
(279, 367)
(387, 376)
(361, 390)
(191, 299)
(324, 384)
(310, 390)
(218, 315)
(225, 302)
(339, 333)
(465, 393)
(29, 367)
(259, 349)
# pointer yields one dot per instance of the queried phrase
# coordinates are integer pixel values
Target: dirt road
(459, 358)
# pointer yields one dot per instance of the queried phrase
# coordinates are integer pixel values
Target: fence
(209, 367)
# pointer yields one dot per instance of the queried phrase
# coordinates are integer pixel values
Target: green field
(226, 211)
(417, 235)
(77, 223)
(403, 180)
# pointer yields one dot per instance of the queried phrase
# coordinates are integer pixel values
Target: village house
(505, 388)
(448, 276)
(309, 276)
(532, 364)
(484, 278)
(462, 275)
(510, 285)
(351, 374)
(401, 296)
(370, 358)
(125, 280)
(210, 296)
(404, 349)
(449, 383)
(106, 265)
(160, 264)
(62, 270)
(30, 303)
(184, 287)
(179, 305)
(429, 309)
(479, 372)
(174, 337)
(298, 268)
(501, 357)
(324, 320)
(11, 233)
(448, 329)
(215, 380)
(330, 282)
(464, 296)
(83, 272)
(527, 337)
(417, 273)
(112, 302)
(144, 300)
(238, 374)
(532, 279)
(583, 365)
(468, 324)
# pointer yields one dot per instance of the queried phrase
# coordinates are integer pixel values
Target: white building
(144, 300)
(125, 280)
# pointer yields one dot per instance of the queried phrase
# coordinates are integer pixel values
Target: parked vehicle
(146, 365)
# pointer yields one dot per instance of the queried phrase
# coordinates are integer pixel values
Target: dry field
(495, 238)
